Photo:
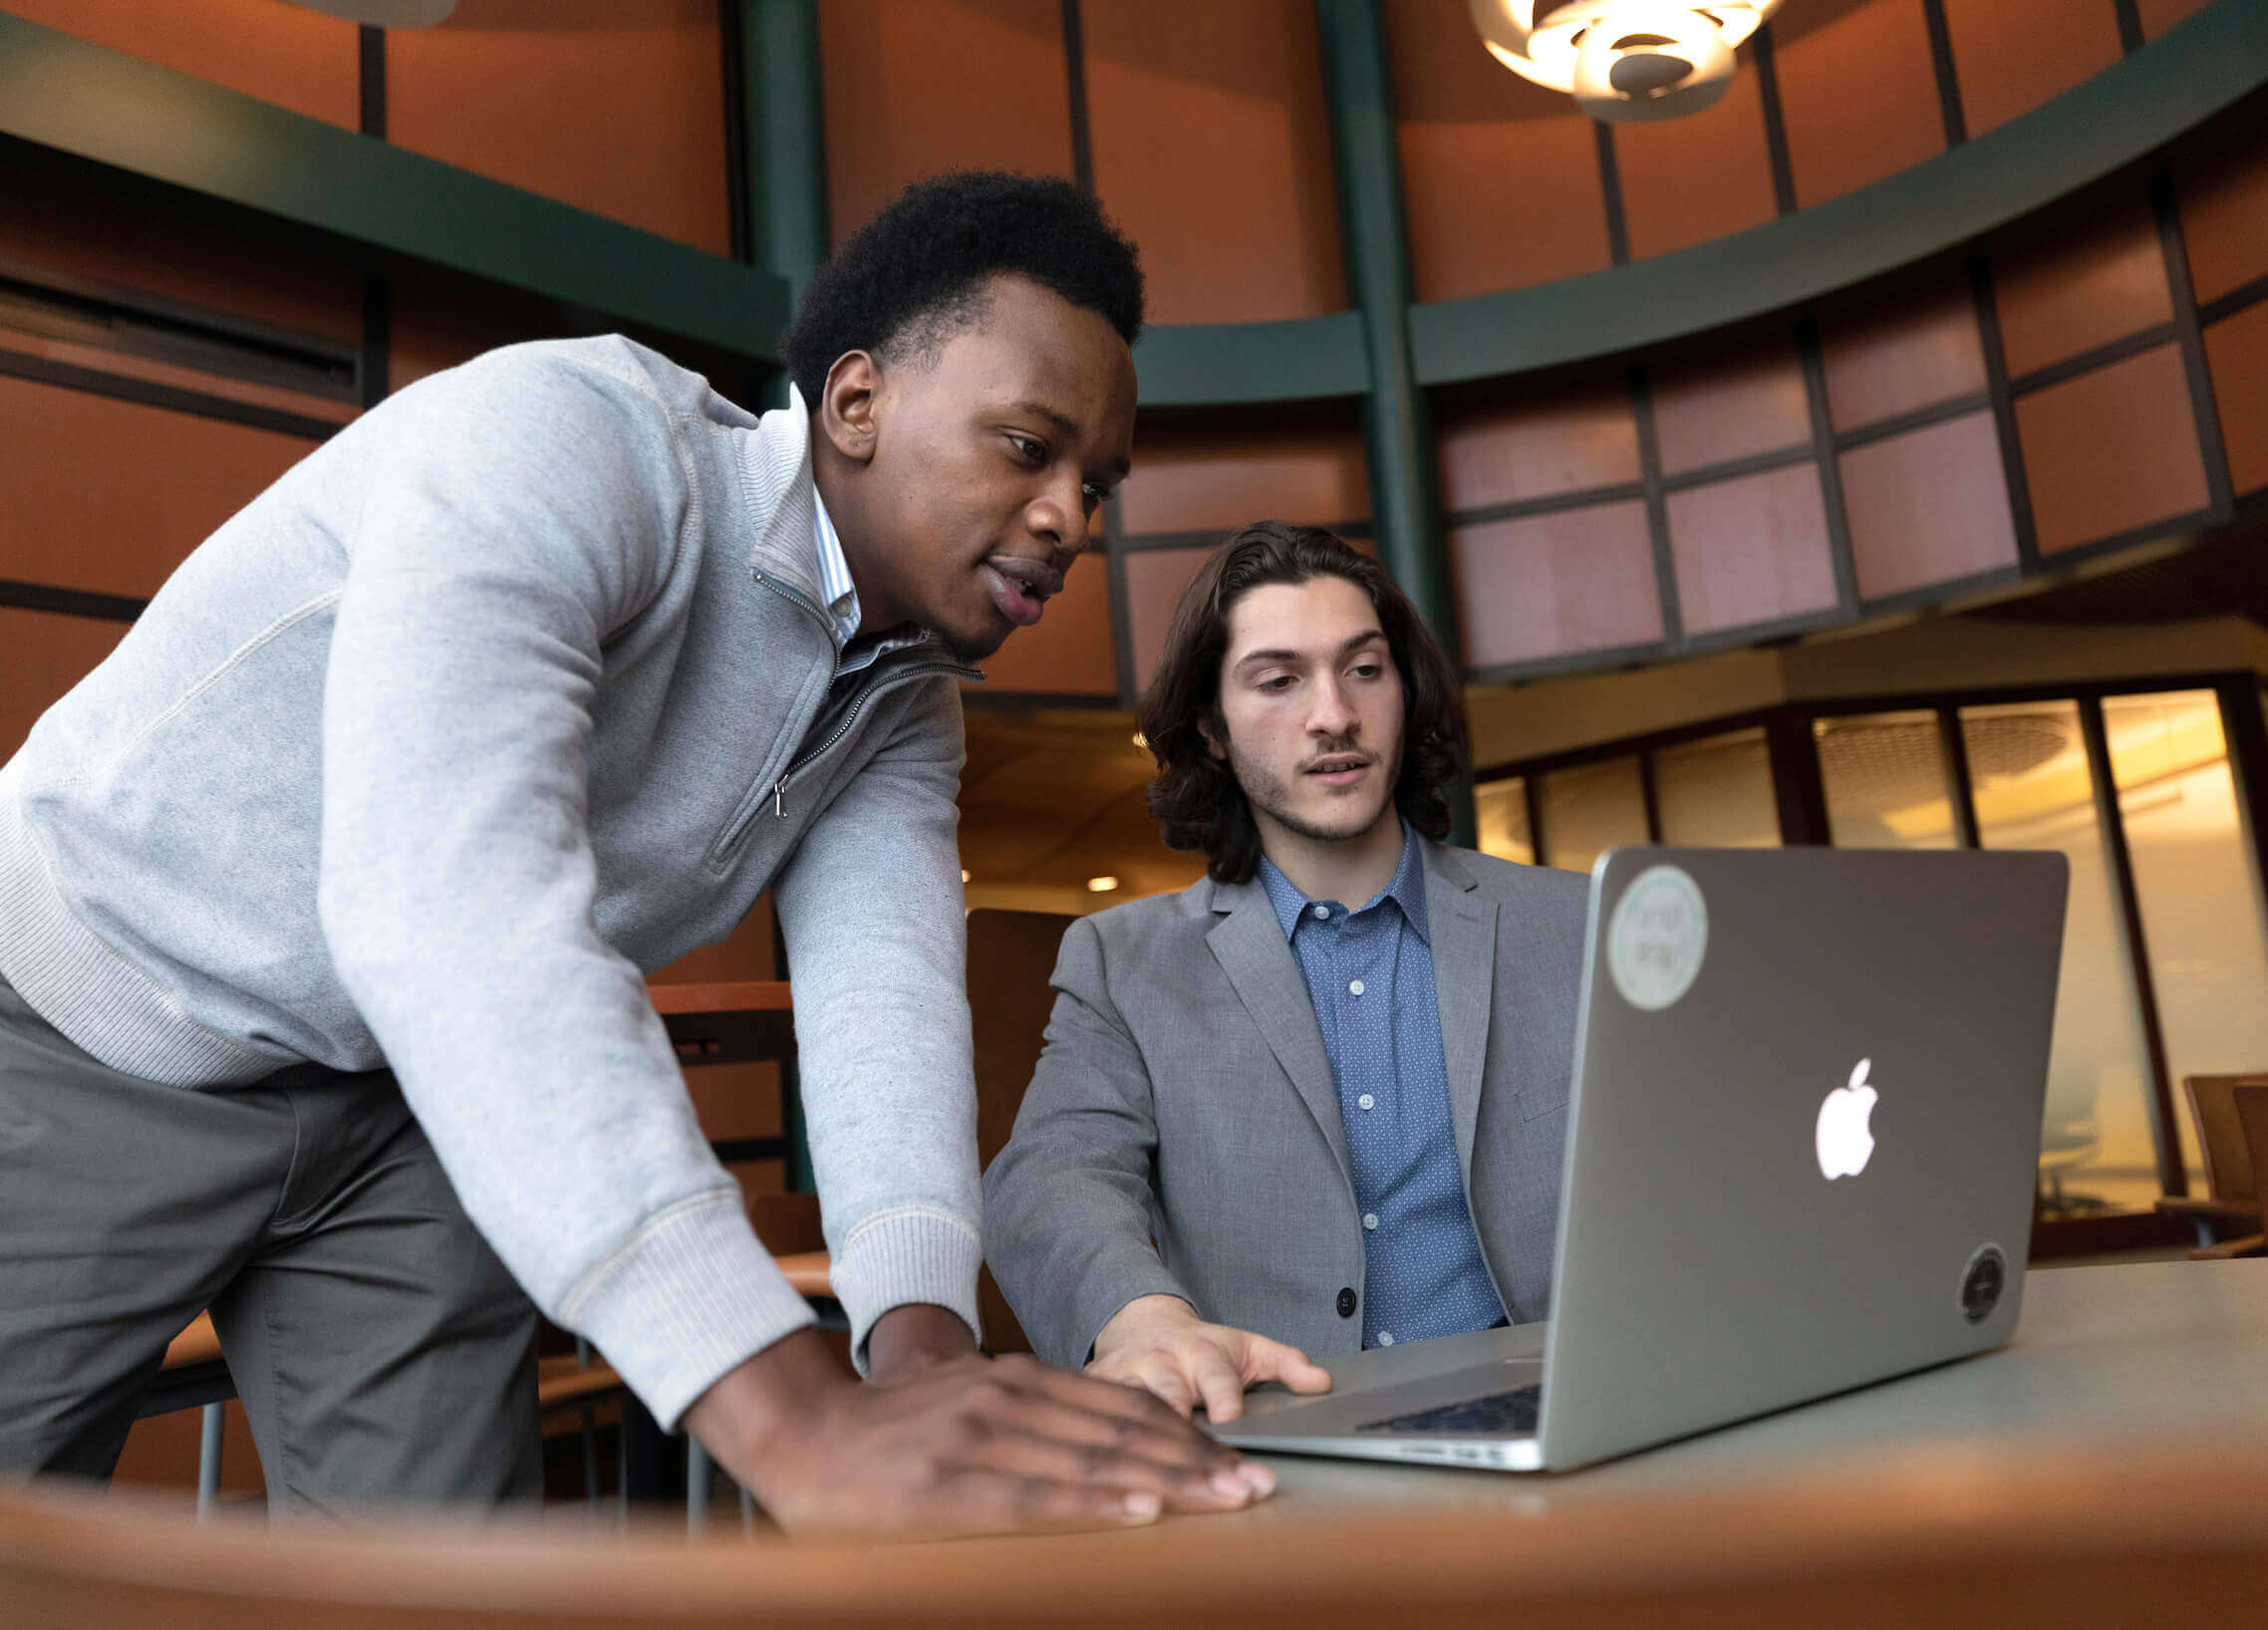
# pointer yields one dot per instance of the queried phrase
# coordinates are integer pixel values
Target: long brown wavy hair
(1194, 796)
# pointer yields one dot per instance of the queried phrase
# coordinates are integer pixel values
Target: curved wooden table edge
(1892, 1523)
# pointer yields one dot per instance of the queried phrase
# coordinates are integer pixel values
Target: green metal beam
(61, 91)
(1397, 421)
(2191, 73)
(1211, 364)
(786, 135)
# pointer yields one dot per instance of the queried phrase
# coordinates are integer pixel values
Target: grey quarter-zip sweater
(511, 692)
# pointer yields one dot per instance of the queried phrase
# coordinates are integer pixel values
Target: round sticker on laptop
(1658, 937)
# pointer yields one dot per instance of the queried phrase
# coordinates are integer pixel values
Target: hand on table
(1157, 1343)
(944, 1441)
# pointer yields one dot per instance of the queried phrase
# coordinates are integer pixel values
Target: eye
(1366, 669)
(1032, 452)
(1094, 495)
(1276, 683)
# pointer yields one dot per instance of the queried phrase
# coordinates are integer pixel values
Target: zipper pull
(778, 809)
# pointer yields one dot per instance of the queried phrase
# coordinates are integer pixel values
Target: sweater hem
(76, 980)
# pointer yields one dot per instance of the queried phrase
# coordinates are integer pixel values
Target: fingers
(1220, 1383)
(985, 1501)
(1021, 1448)
(1266, 1360)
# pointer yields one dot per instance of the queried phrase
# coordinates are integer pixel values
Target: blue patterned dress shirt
(1369, 973)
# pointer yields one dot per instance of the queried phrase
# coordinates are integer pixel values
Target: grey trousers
(382, 1351)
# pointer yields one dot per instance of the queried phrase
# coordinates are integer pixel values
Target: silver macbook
(1803, 1136)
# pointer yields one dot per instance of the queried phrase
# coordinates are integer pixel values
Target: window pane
(2200, 899)
(1590, 809)
(1885, 781)
(2028, 767)
(1499, 810)
(1717, 793)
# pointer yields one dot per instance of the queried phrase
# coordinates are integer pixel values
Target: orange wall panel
(2010, 56)
(1211, 148)
(2224, 218)
(1155, 579)
(1184, 481)
(1859, 96)
(1566, 439)
(1551, 585)
(1929, 506)
(1893, 353)
(915, 88)
(42, 656)
(2236, 349)
(1751, 550)
(284, 54)
(613, 105)
(69, 518)
(441, 319)
(1070, 651)
(2112, 450)
(2099, 278)
(1500, 176)
(1710, 408)
(1686, 181)
(48, 222)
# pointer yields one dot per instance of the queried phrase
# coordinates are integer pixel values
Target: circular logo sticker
(1658, 937)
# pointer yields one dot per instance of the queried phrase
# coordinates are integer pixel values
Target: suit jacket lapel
(1249, 942)
(1463, 926)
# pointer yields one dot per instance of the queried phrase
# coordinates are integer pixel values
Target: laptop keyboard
(1498, 1414)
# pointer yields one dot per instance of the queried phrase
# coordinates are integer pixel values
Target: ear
(847, 416)
(1213, 743)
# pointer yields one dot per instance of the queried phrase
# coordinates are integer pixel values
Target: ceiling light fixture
(1623, 61)
(385, 12)
(1101, 884)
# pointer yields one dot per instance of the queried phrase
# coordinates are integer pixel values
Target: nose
(1058, 518)
(1332, 716)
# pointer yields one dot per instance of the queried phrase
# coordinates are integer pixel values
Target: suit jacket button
(1346, 1302)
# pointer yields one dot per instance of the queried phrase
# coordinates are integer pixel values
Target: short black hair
(915, 273)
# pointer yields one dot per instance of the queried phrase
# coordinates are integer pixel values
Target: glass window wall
(2028, 768)
(1591, 808)
(1885, 781)
(1716, 793)
(2195, 879)
(1499, 812)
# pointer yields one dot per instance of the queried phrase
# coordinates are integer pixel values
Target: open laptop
(1804, 1130)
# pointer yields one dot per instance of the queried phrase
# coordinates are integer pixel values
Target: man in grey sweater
(326, 903)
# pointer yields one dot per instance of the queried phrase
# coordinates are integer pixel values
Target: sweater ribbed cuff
(905, 1254)
(689, 1296)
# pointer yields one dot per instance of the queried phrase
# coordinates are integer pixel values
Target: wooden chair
(193, 1375)
(2232, 1202)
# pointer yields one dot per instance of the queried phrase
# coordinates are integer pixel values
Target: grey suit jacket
(1182, 1133)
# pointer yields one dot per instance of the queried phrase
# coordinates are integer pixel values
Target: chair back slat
(2229, 1170)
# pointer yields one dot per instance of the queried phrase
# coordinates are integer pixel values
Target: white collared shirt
(836, 590)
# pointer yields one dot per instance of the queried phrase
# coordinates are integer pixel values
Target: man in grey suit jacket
(1267, 1123)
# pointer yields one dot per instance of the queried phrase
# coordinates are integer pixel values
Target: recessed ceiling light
(965, 874)
(1101, 884)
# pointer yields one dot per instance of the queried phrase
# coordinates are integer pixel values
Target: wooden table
(2106, 1469)
(738, 1021)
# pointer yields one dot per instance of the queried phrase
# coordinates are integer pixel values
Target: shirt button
(1385, 1338)
(1354, 987)
(1366, 1102)
(1370, 1219)
(1322, 913)
(1346, 1302)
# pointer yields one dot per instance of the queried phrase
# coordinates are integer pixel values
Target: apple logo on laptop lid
(1843, 1137)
